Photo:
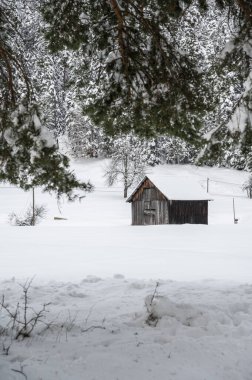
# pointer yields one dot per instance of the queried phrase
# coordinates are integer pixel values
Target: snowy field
(149, 302)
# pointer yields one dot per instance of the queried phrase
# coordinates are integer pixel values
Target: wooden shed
(169, 200)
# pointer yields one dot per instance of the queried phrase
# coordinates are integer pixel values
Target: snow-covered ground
(99, 274)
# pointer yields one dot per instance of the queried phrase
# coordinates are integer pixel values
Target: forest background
(169, 80)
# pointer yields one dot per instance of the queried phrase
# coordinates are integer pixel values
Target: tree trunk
(125, 192)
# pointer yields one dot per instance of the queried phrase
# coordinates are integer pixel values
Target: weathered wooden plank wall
(156, 212)
(195, 212)
(148, 192)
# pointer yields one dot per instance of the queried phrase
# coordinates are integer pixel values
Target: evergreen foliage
(154, 67)
(135, 75)
(29, 157)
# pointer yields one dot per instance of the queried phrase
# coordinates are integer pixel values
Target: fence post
(33, 207)
(235, 219)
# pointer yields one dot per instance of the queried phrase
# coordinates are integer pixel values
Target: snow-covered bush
(247, 186)
(30, 218)
(22, 319)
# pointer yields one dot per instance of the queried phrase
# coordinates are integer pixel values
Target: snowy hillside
(99, 274)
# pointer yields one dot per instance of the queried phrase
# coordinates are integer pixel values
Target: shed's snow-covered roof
(177, 188)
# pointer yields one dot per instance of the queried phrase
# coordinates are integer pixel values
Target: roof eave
(136, 189)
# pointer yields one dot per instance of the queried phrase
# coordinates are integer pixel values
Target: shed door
(149, 213)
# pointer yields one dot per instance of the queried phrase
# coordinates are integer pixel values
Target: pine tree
(25, 149)
(28, 154)
(85, 140)
(153, 67)
(135, 76)
(145, 68)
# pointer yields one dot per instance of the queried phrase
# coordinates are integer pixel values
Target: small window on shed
(147, 205)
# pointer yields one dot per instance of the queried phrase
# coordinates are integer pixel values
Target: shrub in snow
(152, 318)
(22, 319)
(247, 186)
(30, 218)
(161, 307)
